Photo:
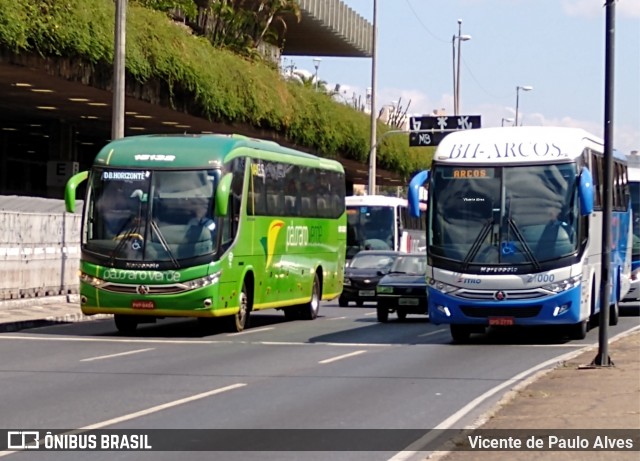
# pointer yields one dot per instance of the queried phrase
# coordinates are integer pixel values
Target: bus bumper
(561, 308)
(203, 302)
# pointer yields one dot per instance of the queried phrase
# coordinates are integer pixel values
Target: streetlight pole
(316, 64)
(518, 88)
(456, 69)
(508, 120)
(117, 114)
(372, 154)
(453, 61)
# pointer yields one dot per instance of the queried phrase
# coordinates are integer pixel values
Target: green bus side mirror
(70, 190)
(222, 194)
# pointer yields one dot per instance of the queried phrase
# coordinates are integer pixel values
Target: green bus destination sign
(428, 130)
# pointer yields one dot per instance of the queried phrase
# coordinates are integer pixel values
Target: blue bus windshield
(503, 215)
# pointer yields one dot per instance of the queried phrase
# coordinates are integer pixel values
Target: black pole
(603, 359)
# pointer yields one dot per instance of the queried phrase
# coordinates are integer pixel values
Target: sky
(555, 46)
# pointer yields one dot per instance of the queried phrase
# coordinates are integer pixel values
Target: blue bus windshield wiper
(525, 246)
(477, 243)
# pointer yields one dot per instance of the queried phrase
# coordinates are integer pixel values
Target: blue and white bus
(514, 229)
(634, 187)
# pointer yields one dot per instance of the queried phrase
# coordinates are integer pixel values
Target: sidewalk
(573, 395)
(22, 314)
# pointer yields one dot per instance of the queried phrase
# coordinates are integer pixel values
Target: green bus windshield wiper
(163, 242)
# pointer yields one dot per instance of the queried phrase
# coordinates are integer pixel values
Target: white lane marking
(148, 411)
(335, 318)
(120, 354)
(164, 406)
(114, 340)
(257, 330)
(371, 313)
(269, 343)
(432, 333)
(410, 452)
(340, 357)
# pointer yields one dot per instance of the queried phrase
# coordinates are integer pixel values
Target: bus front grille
(148, 289)
(489, 295)
(514, 311)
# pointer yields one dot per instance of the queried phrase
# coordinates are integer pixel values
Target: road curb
(18, 325)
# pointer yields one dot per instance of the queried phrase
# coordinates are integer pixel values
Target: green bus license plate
(140, 304)
(501, 321)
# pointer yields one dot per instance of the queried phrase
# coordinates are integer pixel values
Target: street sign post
(427, 130)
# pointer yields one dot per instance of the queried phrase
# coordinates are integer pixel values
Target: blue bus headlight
(441, 286)
(564, 285)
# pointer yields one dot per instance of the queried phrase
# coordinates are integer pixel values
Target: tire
(383, 314)
(309, 311)
(614, 314)
(402, 315)
(126, 324)
(460, 333)
(342, 302)
(240, 320)
(579, 330)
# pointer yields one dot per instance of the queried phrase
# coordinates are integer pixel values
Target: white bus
(377, 222)
(515, 229)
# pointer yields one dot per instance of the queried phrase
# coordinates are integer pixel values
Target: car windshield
(372, 261)
(369, 228)
(410, 265)
(504, 215)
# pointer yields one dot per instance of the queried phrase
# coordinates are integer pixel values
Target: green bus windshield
(146, 215)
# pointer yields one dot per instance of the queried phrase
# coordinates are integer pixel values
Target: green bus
(208, 226)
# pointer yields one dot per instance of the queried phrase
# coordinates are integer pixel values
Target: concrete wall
(39, 254)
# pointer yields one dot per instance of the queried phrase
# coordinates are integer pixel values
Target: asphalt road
(343, 370)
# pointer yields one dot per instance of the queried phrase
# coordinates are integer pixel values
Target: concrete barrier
(39, 254)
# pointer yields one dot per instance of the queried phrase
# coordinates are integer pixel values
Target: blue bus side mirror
(586, 192)
(414, 192)
(222, 194)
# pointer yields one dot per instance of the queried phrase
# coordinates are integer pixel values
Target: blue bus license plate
(501, 321)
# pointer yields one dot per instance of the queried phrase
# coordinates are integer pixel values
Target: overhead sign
(428, 130)
(58, 172)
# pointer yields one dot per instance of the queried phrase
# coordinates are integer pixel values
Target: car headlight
(347, 281)
(90, 280)
(441, 286)
(384, 289)
(202, 282)
(564, 285)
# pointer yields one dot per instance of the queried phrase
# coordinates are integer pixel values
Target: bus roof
(197, 151)
(530, 144)
(374, 200)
